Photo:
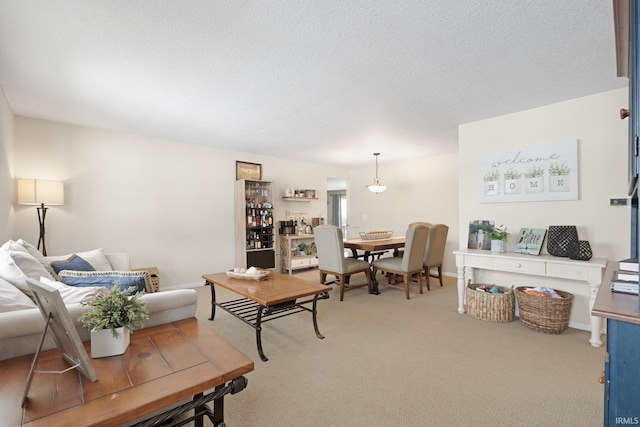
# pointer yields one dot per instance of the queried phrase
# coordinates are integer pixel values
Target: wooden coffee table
(264, 300)
(164, 366)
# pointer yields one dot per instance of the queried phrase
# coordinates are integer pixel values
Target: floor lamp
(40, 192)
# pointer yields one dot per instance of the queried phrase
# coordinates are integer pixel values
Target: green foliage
(534, 172)
(498, 233)
(492, 175)
(118, 308)
(557, 169)
(307, 249)
(512, 174)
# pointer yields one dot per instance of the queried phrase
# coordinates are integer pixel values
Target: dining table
(373, 246)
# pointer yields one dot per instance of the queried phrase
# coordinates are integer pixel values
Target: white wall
(418, 190)
(602, 157)
(169, 204)
(6, 188)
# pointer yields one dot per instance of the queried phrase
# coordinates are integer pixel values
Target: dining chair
(434, 252)
(400, 251)
(411, 261)
(331, 259)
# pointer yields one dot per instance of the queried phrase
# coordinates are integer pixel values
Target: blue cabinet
(622, 373)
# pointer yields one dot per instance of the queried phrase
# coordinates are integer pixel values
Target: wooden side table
(164, 366)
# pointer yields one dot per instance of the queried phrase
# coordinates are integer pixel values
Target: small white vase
(491, 188)
(103, 344)
(498, 246)
(512, 186)
(534, 185)
(559, 183)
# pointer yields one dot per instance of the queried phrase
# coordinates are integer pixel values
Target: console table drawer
(566, 271)
(529, 267)
(478, 262)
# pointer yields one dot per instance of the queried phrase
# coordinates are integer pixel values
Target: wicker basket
(496, 308)
(544, 314)
(153, 274)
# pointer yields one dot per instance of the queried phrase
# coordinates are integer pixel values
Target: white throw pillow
(10, 271)
(13, 299)
(96, 258)
(34, 252)
(73, 294)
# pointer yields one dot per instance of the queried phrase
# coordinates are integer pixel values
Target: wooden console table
(168, 369)
(590, 272)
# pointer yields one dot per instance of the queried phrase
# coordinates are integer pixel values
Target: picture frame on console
(246, 170)
(530, 241)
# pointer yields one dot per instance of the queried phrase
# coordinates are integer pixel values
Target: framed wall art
(246, 170)
(530, 174)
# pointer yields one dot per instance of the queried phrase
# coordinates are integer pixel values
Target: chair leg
(323, 277)
(342, 280)
(440, 274)
(420, 280)
(405, 277)
(426, 274)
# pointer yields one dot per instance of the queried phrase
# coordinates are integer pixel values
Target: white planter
(559, 183)
(103, 344)
(512, 186)
(534, 185)
(498, 246)
(491, 188)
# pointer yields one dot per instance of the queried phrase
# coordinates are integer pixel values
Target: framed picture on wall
(246, 170)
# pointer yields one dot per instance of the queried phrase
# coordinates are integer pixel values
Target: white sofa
(21, 324)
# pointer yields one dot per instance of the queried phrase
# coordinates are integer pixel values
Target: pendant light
(376, 187)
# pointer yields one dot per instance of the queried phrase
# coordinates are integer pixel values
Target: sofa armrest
(119, 261)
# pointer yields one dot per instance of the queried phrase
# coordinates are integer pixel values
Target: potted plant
(112, 318)
(498, 237)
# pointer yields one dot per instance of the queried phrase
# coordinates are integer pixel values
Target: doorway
(337, 203)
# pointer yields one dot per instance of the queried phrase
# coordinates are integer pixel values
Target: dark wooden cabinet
(622, 374)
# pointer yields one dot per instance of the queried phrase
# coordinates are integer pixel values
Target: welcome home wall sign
(529, 174)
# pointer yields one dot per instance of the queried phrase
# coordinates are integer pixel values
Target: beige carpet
(386, 360)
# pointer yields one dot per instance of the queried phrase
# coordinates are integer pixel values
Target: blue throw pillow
(108, 279)
(74, 263)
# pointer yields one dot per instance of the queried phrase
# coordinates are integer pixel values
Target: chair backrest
(434, 254)
(428, 224)
(330, 247)
(414, 247)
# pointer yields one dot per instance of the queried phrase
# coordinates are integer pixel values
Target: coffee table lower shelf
(254, 314)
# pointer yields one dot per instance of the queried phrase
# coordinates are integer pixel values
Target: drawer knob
(601, 378)
(518, 265)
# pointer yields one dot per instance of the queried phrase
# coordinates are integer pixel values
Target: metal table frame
(254, 314)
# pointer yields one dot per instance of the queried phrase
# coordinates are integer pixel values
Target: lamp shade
(40, 191)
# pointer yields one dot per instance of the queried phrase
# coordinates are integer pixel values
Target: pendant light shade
(376, 187)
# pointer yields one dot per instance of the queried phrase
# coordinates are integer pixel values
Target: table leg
(315, 320)
(218, 410)
(259, 332)
(596, 322)
(460, 289)
(213, 300)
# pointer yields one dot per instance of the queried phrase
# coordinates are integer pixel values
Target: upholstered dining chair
(331, 259)
(411, 261)
(400, 251)
(434, 252)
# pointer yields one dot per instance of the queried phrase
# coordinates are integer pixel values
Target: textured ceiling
(325, 82)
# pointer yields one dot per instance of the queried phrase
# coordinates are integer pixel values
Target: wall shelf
(299, 199)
